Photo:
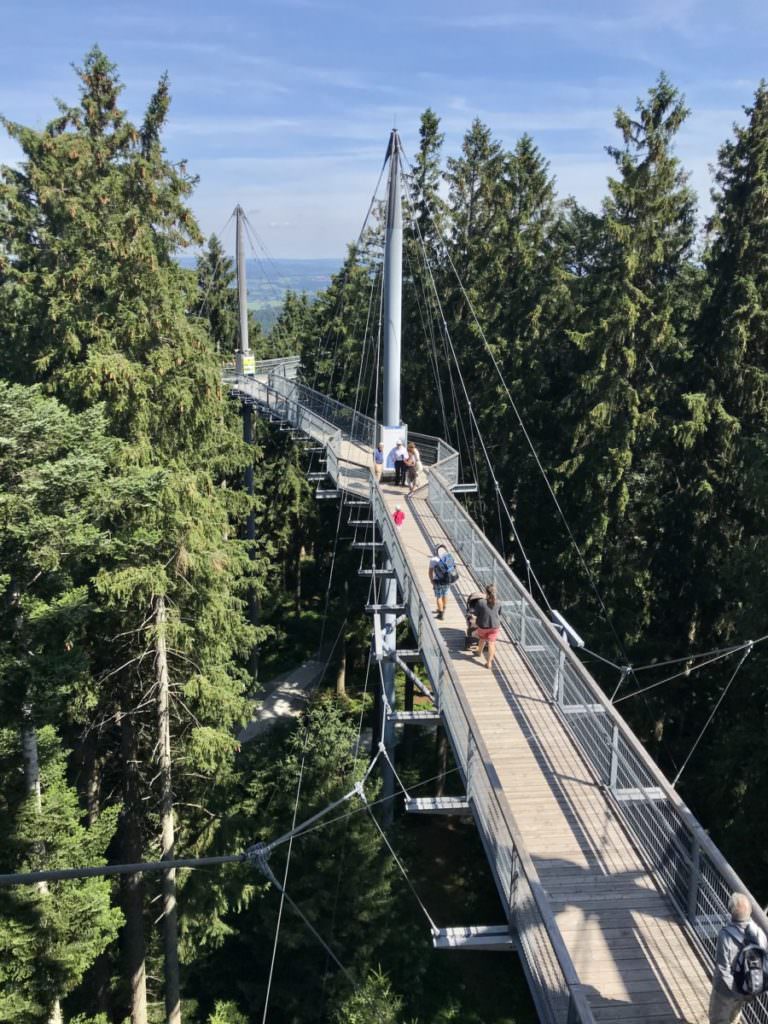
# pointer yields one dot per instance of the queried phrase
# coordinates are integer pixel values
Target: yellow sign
(249, 364)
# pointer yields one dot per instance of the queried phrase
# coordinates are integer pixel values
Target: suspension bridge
(612, 891)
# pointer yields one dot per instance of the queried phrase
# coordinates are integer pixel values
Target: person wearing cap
(398, 516)
(440, 589)
(725, 1004)
(399, 457)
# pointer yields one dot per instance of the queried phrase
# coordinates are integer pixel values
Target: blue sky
(286, 106)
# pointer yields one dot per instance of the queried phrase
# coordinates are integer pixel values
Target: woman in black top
(488, 624)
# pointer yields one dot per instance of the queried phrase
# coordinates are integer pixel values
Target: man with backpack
(740, 963)
(442, 573)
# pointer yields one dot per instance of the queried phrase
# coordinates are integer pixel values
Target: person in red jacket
(398, 516)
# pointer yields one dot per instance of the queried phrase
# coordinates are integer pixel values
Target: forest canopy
(631, 348)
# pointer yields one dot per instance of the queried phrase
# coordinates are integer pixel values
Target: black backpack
(445, 570)
(749, 967)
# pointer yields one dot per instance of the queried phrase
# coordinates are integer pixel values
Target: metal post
(557, 689)
(388, 668)
(244, 358)
(523, 609)
(614, 757)
(393, 287)
(693, 882)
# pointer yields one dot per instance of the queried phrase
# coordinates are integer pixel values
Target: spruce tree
(629, 349)
(96, 308)
(722, 501)
(58, 491)
(217, 303)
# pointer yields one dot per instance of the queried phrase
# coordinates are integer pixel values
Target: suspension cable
(714, 711)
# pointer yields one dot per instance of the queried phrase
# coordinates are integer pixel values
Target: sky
(285, 106)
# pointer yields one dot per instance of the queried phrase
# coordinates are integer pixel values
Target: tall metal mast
(244, 357)
(391, 431)
(393, 289)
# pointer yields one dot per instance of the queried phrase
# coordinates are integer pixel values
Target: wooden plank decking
(626, 942)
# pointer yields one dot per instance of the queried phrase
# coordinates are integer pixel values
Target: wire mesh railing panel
(550, 968)
(687, 866)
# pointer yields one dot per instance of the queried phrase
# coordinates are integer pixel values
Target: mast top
(394, 145)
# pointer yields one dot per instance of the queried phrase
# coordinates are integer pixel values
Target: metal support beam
(415, 717)
(484, 938)
(438, 805)
(413, 678)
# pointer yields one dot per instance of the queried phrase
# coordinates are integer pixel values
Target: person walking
(738, 943)
(398, 516)
(442, 572)
(488, 624)
(413, 466)
(399, 457)
(378, 461)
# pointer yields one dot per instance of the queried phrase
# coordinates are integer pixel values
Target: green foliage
(373, 1002)
(639, 370)
(227, 1013)
(49, 935)
(217, 302)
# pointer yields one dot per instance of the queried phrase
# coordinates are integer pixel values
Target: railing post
(573, 1010)
(514, 875)
(470, 751)
(614, 758)
(523, 608)
(693, 881)
(557, 687)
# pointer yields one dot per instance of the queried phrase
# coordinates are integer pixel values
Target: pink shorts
(487, 634)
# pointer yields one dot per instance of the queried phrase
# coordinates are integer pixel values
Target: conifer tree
(57, 492)
(630, 346)
(424, 366)
(722, 498)
(95, 307)
(217, 303)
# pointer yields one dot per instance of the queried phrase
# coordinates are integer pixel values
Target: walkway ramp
(623, 936)
(613, 891)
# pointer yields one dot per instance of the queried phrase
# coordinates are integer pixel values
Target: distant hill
(269, 280)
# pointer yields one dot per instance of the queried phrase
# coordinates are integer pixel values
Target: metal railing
(686, 864)
(552, 976)
(355, 425)
(554, 983)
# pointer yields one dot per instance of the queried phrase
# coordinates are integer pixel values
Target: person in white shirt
(399, 457)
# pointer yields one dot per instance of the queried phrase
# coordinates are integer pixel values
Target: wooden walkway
(625, 940)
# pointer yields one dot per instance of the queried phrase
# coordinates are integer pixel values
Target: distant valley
(269, 280)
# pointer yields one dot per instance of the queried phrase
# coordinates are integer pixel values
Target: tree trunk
(134, 949)
(170, 922)
(31, 762)
(341, 675)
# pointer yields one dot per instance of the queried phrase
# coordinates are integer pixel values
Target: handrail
(443, 674)
(526, 900)
(681, 855)
(686, 863)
